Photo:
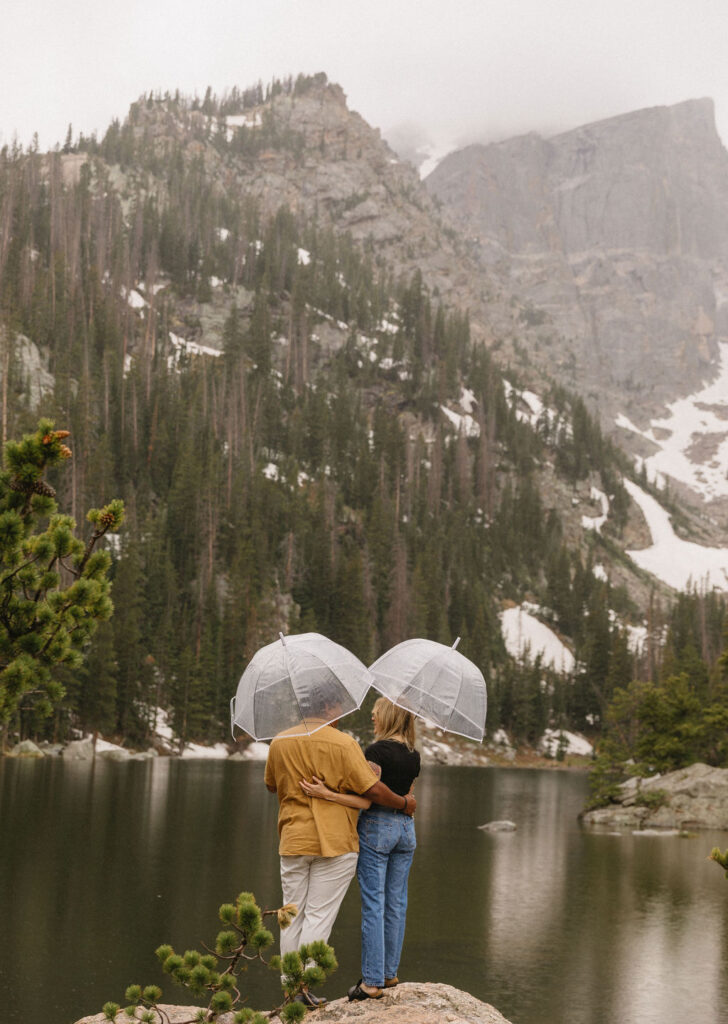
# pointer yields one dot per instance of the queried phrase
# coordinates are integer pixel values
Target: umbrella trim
(268, 653)
(439, 651)
(445, 728)
(447, 707)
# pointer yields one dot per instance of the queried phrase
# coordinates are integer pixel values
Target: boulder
(26, 748)
(113, 754)
(408, 1003)
(173, 1014)
(79, 750)
(51, 749)
(688, 799)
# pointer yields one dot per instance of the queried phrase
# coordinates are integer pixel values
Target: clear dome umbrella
(298, 684)
(436, 683)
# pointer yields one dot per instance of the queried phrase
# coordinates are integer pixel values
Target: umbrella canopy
(299, 683)
(434, 682)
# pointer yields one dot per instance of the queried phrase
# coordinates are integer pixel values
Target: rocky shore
(436, 747)
(409, 1003)
(687, 800)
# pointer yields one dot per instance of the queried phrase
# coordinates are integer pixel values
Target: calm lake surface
(99, 864)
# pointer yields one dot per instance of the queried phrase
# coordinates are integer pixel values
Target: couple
(322, 781)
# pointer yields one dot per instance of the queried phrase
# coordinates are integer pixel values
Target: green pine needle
(199, 978)
(314, 976)
(226, 942)
(293, 1012)
(221, 1002)
(249, 917)
(227, 913)
(173, 963)
(261, 939)
(324, 955)
(291, 965)
(163, 952)
(110, 1010)
(133, 993)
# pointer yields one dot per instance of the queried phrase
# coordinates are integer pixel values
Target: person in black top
(386, 848)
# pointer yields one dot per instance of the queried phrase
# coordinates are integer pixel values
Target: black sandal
(357, 993)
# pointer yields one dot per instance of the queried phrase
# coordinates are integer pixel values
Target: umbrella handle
(232, 716)
(454, 646)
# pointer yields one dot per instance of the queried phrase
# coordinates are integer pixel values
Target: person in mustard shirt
(319, 845)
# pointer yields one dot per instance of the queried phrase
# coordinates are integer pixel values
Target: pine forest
(301, 474)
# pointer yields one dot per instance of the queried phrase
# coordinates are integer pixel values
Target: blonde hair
(394, 721)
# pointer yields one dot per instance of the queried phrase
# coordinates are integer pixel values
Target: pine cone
(36, 487)
(41, 487)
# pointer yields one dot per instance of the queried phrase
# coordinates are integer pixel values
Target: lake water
(99, 864)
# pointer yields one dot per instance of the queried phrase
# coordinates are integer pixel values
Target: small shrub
(652, 798)
(244, 939)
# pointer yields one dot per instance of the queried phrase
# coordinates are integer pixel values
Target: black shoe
(356, 992)
(310, 1000)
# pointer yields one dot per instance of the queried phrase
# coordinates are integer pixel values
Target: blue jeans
(386, 848)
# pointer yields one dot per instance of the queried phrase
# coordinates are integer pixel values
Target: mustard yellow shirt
(308, 826)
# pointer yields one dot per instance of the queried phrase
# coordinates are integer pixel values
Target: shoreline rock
(408, 1003)
(436, 747)
(690, 799)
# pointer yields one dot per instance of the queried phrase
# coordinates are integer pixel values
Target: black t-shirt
(400, 765)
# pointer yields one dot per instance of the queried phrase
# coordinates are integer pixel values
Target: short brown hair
(394, 721)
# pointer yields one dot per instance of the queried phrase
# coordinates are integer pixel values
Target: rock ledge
(688, 799)
(408, 1003)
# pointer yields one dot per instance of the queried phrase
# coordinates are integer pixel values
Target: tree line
(294, 481)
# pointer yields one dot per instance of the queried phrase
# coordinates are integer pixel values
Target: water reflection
(101, 863)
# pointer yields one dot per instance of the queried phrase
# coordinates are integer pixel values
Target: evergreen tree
(53, 587)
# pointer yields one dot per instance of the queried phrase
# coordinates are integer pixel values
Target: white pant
(317, 885)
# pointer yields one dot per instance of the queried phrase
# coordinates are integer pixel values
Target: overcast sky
(461, 70)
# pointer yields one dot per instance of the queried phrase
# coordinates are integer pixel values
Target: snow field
(702, 415)
(675, 561)
(525, 636)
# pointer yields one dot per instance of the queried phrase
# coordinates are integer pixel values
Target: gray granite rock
(79, 750)
(408, 1003)
(26, 748)
(615, 238)
(115, 754)
(688, 799)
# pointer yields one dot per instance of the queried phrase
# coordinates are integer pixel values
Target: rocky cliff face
(615, 236)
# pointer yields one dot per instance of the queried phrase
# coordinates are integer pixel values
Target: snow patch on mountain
(692, 439)
(525, 636)
(597, 522)
(671, 559)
